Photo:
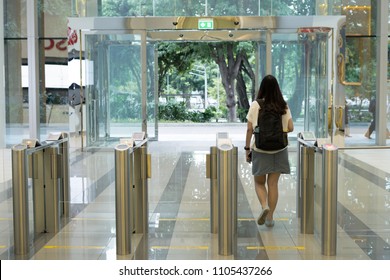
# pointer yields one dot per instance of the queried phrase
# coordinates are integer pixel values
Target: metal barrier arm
(140, 144)
(45, 145)
(310, 144)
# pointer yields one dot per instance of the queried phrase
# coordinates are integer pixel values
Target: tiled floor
(179, 210)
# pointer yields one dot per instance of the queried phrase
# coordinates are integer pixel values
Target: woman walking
(267, 165)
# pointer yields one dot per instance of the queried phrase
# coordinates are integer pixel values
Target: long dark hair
(270, 91)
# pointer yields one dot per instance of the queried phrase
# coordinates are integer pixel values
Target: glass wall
(15, 46)
(360, 58)
(52, 60)
(114, 94)
(360, 66)
(193, 8)
(364, 180)
(299, 61)
(54, 82)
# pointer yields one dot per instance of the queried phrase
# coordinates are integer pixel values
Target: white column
(144, 83)
(2, 79)
(257, 70)
(33, 70)
(269, 53)
(381, 71)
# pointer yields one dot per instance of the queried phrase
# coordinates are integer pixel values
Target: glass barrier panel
(364, 197)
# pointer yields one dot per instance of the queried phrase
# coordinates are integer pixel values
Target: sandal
(269, 223)
(263, 215)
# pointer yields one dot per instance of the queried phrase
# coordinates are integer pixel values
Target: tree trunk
(243, 103)
(231, 101)
(247, 69)
(228, 85)
(228, 67)
(241, 92)
(295, 103)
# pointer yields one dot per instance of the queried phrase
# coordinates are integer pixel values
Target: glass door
(300, 63)
(114, 88)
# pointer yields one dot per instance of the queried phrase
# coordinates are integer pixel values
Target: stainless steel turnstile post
(132, 170)
(317, 186)
(123, 191)
(227, 157)
(37, 175)
(49, 170)
(20, 199)
(64, 175)
(52, 190)
(141, 173)
(329, 200)
(222, 170)
(306, 189)
(211, 173)
(44, 169)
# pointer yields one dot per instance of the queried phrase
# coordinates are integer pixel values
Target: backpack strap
(261, 104)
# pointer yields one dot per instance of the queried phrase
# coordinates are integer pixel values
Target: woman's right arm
(290, 126)
(249, 132)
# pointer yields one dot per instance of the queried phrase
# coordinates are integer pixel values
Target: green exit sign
(205, 23)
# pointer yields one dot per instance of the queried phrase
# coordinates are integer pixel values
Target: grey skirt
(263, 163)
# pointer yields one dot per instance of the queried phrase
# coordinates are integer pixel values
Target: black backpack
(269, 135)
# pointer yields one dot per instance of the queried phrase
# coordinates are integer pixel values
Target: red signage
(61, 45)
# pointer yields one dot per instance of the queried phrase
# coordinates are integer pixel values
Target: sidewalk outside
(195, 132)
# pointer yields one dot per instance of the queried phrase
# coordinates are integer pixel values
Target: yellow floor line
(168, 219)
(208, 219)
(280, 248)
(73, 247)
(184, 219)
(93, 219)
(275, 248)
(180, 247)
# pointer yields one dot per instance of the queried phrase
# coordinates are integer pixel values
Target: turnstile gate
(222, 169)
(132, 169)
(47, 165)
(317, 178)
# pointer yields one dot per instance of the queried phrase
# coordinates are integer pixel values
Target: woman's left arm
(248, 137)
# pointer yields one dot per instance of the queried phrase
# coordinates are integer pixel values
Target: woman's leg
(262, 195)
(273, 193)
(261, 190)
